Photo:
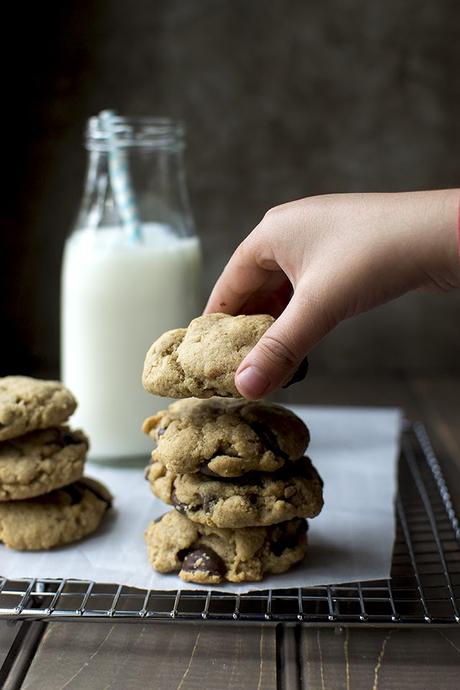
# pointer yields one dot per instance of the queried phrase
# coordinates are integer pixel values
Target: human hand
(314, 262)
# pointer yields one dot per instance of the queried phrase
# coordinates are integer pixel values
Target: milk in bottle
(131, 270)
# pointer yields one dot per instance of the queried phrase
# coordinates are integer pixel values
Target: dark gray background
(281, 100)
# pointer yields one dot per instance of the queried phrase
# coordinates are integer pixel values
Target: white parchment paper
(354, 449)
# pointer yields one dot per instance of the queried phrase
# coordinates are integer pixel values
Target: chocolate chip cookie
(27, 404)
(207, 555)
(224, 437)
(60, 517)
(201, 360)
(255, 499)
(41, 461)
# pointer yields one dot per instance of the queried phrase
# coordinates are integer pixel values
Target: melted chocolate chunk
(268, 438)
(298, 375)
(71, 440)
(182, 508)
(287, 540)
(204, 469)
(251, 477)
(75, 491)
(270, 442)
(182, 554)
(298, 468)
(89, 487)
(279, 547)
(204, 560)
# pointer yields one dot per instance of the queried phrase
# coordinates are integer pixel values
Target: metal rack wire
(424, 587)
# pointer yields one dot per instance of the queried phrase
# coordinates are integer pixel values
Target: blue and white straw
(121, 182)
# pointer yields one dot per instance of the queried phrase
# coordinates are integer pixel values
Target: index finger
(240, 279)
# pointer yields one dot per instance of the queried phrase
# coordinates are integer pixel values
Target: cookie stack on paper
(234, 470)
(44, 499)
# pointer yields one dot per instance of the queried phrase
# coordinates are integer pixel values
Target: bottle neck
(136, 174)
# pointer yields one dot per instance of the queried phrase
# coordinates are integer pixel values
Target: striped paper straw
(121, 182)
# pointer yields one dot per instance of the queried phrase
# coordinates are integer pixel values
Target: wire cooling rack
(424, 587)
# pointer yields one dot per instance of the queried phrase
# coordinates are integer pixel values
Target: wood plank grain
(20, 656)
(380, 659)
(8, 632)
(154, 656)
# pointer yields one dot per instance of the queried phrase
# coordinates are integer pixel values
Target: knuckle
(278, 352)
(268, 215)
(242, 254)
(273, 214)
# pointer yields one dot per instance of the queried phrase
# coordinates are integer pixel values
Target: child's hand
(314, 262)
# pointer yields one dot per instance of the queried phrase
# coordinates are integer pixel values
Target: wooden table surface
(183, 656)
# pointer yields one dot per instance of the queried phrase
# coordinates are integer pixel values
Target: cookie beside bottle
(44, 499)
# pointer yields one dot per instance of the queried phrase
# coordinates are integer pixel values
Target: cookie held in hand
(201, 361)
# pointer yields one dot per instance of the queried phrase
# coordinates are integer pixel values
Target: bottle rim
(142, 132)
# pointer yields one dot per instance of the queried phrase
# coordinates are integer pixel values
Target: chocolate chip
(296, 468)
(251, 478)
(252, 498)
(82, 484)
(282, 540)
(161, 431)
(298, 375)
(204, 560)
(159, 518)
(75, 492)
(268, 438)
(279, 547)
(71, 440)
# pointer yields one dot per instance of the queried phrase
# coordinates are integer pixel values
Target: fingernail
(252, 382)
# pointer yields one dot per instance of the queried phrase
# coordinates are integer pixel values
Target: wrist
(438, 237)
(450, 226)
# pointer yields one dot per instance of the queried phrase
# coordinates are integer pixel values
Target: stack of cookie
(234, 470)
(44, 499)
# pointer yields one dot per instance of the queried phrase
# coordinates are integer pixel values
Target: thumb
(280, 351)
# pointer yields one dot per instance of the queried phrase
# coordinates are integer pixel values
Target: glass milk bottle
(131, 270)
